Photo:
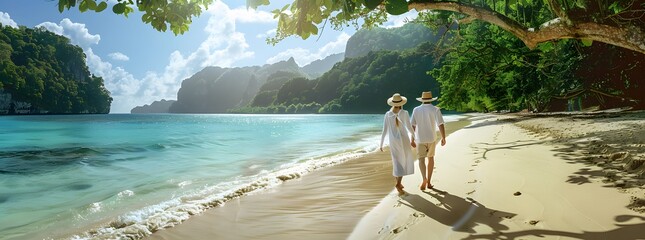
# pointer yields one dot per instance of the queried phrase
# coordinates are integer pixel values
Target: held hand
(443, 141)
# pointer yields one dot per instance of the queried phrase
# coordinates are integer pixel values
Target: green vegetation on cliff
(356, 85)
(46, 71)
(408, 36)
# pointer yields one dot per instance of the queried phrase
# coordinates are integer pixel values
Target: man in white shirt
(425, 121)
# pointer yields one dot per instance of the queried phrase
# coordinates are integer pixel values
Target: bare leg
(430, 169)
(399, 186)
(422, 167)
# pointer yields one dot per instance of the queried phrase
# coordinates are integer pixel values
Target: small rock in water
(517, 193)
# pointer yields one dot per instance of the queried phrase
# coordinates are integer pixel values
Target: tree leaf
(313, 29)
(102, 6)
(61, 5)
(586, 42)
(581, 4)
(118, 8)
(512, 4)
(127, 11)
(396, 7)
(615, 7)
(256, 3)
(372, 4)
(546, 47)
(285, 7)
(146, 17)
(83, 6)
(329, 4)
(91, 4)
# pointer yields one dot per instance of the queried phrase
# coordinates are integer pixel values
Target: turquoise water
(128, 175)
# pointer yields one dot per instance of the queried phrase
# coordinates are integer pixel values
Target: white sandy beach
(497, 180)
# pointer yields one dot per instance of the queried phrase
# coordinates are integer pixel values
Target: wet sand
(325, 204)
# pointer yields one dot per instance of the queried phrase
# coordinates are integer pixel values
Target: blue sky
(141, 65)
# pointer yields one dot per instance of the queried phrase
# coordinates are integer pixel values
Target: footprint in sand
(471, 192)
(473, 181)
(418, 214)
(398, 230)
(471, 170)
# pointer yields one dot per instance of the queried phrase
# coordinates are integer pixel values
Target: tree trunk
(630, 37)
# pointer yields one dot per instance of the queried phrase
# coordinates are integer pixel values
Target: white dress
(402, 154)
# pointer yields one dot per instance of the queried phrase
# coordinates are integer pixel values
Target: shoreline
(324, 204)
(512, 176)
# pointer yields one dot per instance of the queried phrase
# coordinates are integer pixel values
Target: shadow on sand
(460, 214)
(624, 231)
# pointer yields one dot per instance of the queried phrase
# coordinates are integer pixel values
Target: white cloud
(76, 32)
(6, 20)
(119, 56)
(270, 32)
(400, 20)
(118, 80)
(244, 15)
(306, 56)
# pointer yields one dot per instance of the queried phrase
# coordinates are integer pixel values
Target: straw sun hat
(396, 100)
(426, 97)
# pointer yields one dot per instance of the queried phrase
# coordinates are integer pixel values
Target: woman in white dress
(397, 126)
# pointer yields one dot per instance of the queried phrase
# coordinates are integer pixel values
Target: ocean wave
(143, 222)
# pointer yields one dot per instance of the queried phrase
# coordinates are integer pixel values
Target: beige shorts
(426, 149)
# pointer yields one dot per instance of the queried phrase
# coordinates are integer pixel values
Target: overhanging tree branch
(629, 37)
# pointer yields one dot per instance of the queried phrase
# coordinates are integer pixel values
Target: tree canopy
(176, 14)
(616, 22)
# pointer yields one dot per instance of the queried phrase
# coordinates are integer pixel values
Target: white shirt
(426, 118)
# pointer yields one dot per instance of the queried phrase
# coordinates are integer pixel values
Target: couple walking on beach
(422, 127)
